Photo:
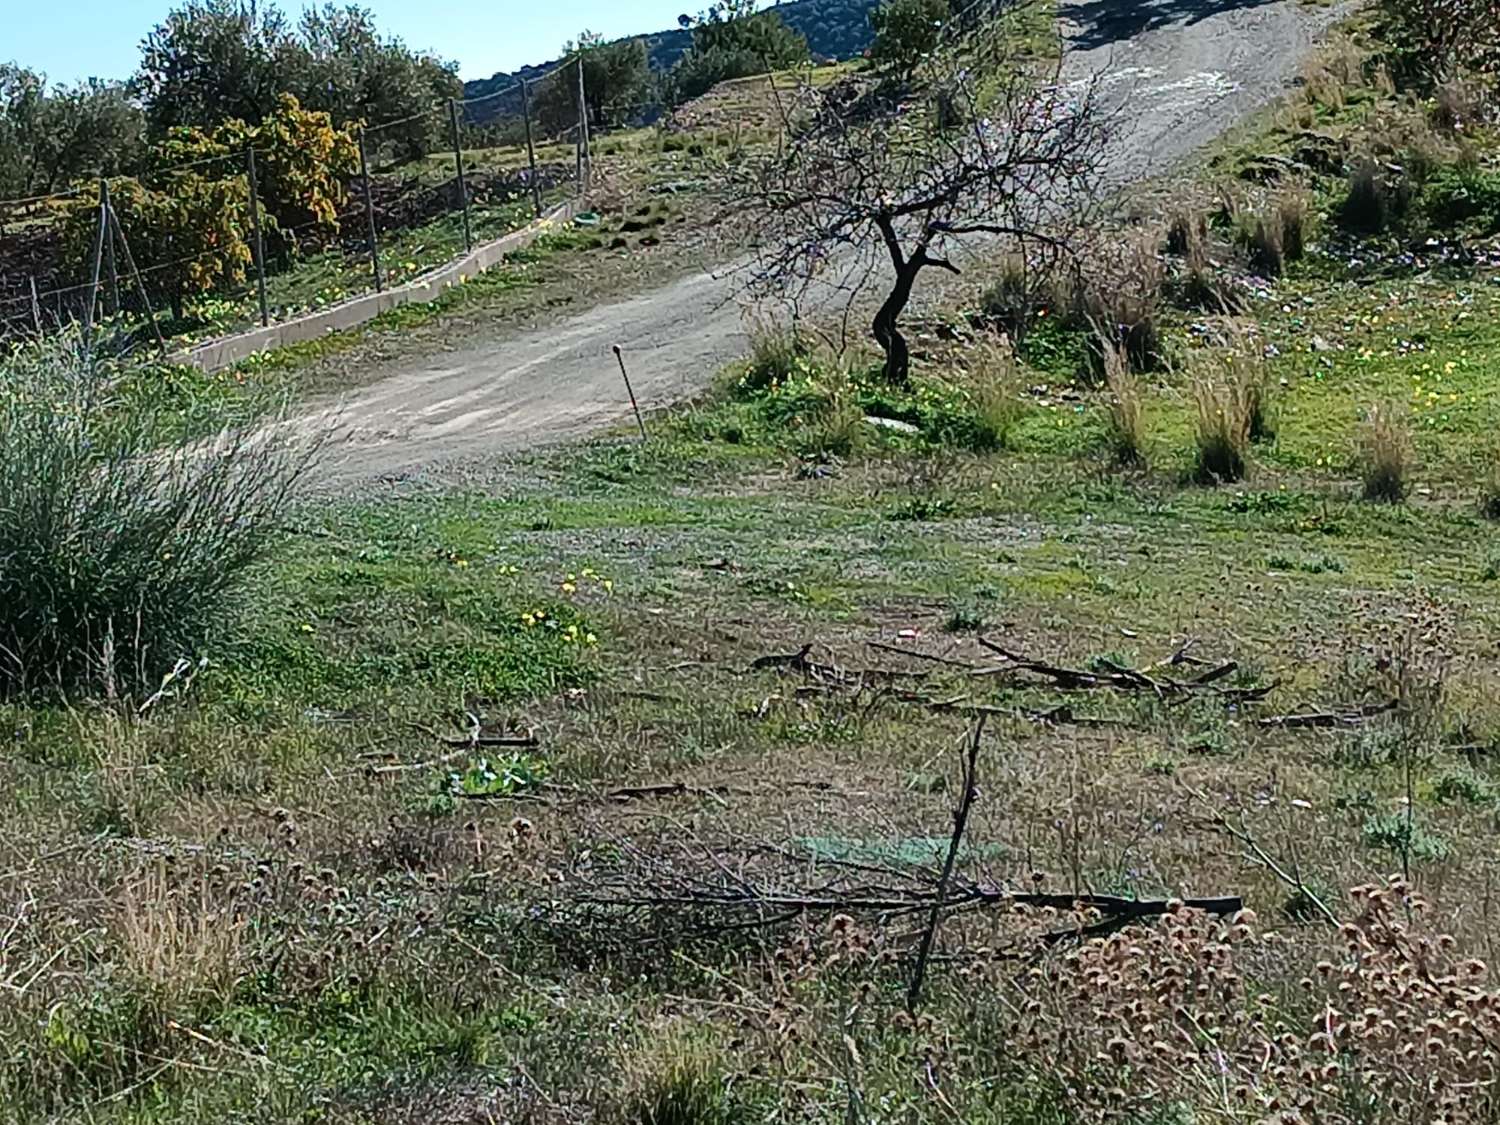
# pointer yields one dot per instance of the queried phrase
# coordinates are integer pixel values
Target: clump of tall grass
(1221, 432)
(1126, 418)
(996, 395)
(1385, 454)
(776, 353)
(120, 551)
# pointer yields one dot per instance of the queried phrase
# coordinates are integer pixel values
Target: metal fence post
(364, 175)
(98, 256)
(36, 307)
(578, 138)
(458, 164)
(114, 221)
(109, 255)
(585, 157)
(260, 246)
(536, 188)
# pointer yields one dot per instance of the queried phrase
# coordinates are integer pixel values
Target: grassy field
(617, 790)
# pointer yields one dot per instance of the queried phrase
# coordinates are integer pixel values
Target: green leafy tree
(346, 68)
(906, 32)
(616, 80)
(21, 97)
(734, 40)
(212, 60)
(51, 137)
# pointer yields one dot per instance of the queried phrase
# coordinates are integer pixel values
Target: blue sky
(100, 37)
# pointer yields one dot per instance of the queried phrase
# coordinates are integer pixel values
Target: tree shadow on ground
(1101, 23)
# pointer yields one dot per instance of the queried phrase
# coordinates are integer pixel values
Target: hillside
(834, 29)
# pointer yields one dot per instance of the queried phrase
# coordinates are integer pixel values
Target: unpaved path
(1179, 71)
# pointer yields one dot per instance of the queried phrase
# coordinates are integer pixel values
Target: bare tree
(872, 188)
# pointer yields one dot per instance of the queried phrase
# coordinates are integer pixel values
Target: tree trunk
(886, 328)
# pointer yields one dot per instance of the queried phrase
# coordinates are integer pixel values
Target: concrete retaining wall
(228, 350)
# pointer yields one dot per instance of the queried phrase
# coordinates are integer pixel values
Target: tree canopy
(734, 40)
(51, 136)
(211, 61)
(617, 79)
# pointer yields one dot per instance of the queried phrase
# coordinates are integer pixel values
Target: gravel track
(1178, 73)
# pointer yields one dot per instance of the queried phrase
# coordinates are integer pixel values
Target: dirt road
(1179, 71)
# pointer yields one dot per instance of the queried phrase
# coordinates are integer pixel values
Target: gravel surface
(1176, 72)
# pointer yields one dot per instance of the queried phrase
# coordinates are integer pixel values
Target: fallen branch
(667, 789)
(831, 674)
(1061, 715)
(1309, 719)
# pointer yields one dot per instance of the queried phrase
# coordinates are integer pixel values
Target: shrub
(1465, 192)
(1385, 455)
(1126, 424)
(1222, 431)
(1011, 300)
(1489, 493)
(1375, 198)
(118, 556)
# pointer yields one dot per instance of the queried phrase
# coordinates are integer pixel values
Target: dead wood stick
(665, 789)
(469, 741)
(441, 759)
(1061, 715)
(1329, 718)
(916, 654)
(960, 823)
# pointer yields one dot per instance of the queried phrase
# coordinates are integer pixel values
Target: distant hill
(837, 29)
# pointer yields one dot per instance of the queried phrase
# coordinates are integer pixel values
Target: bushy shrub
(118, 555)
(1376, 197)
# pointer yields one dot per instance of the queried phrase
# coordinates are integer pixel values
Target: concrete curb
(229, 350)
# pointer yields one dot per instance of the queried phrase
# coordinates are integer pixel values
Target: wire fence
(79, 256)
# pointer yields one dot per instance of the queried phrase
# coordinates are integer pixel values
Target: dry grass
(1385, 454)
(1221, 431)
(1390, 1016)
(1126, 420)
(1293, 214)
(1122, 296)
(179, 944)
(674, 1075)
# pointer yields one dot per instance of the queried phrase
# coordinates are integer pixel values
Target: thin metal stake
(36, 307)
(364, 175)
(619, 355)
(114, 220)
(458, 163)
(536, 188)
(260, 246)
